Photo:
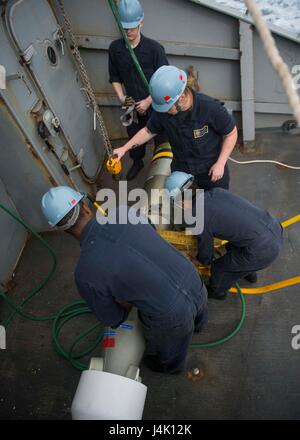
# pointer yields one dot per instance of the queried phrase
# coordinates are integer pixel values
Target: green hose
(78, 308)
(131, 51)
(233, 332)
(62, 317)
(17, 309)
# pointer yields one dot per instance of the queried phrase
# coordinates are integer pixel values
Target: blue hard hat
(131, 13)
(177, 182)
(58, 202)
(166, 86)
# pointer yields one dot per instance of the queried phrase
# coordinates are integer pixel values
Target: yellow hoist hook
(114, 166)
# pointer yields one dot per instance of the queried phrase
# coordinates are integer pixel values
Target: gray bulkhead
(46, 124)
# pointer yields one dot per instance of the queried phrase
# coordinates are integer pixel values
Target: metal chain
(87, 82)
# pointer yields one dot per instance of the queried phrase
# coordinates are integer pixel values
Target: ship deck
(255, 375)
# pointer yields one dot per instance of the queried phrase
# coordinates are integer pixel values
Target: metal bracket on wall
(52, 123)
(79, 159)
(17, 76)
(59, 38)
(28, 54)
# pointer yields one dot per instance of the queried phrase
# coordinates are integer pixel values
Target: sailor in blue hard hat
(177, 182)
(254, 236)
(58, 203)
(123, 73)
(131, 13)
(124, 265)
(199, 128)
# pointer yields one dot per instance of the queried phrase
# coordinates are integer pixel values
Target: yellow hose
(190, 242)
(269, 287)
(290, 221)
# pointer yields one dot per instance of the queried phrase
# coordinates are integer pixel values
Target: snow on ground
(282, 13)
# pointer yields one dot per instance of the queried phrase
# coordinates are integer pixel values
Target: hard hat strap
(72, 220)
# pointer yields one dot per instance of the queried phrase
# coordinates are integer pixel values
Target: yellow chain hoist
(114, 166)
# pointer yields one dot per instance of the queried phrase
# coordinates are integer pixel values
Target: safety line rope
(248, 162)
(275, 58)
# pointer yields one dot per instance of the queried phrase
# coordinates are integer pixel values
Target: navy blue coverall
(151, 55)
(132, 263)
(196, 137)
(255, 238)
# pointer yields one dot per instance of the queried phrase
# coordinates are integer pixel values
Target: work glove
(127, 101)
(130, 115)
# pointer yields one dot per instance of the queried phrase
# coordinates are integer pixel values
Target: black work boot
(211, 294)
(135, 169)
(152, 361)
(251, 277)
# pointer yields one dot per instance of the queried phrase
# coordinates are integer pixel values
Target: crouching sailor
(255, 237)
(130, 264)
